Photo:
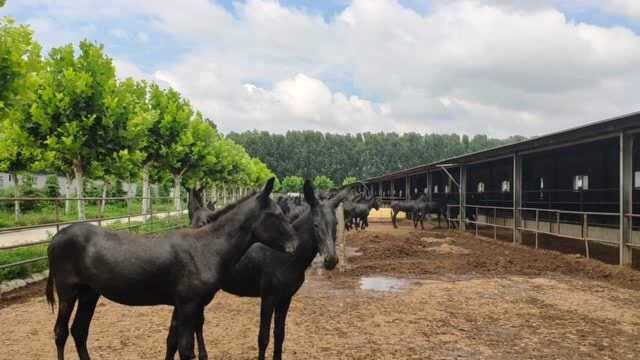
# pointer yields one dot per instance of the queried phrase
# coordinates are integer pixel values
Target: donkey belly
(139, 293)
(130, 278)
(244, 283)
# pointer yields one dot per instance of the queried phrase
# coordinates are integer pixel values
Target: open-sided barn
(582, 184)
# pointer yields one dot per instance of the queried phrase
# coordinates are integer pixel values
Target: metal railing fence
(546, 222)
(43, 217)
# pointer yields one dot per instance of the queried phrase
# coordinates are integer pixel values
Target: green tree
(323, 183)
(292, 184)
(193, 154)
(311, 153)
(122, 107)
(52, 188)
(349, 180)
(160, 126)
(70, 112)
(19, 63)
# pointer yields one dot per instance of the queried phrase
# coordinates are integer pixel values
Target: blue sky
(473, 66)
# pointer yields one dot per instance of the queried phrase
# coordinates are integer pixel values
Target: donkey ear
(268, 189)
(309, 193)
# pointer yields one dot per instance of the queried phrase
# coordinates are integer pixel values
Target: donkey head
(373, 203)
(272, 227)
(323, 217)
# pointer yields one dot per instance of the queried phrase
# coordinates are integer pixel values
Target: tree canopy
(311, 153)
(69, 114)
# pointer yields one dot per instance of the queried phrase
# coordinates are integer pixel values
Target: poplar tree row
(68, 114)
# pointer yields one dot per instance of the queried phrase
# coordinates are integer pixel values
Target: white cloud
(125, 69)
(630, 8)
(503, 70)
(465, 66)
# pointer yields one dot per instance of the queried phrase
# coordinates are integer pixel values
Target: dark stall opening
(386, 189)
(491, 184)
(580, 178)
(375, 189)
(399, 189)
(418, 185)
(443, 186)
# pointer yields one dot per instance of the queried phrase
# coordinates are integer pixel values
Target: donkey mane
(227, 209)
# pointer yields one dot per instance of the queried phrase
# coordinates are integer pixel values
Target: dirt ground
(451, 296)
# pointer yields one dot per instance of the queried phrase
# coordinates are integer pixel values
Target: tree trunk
(224, 195)
(341, 239)
(16, 194)
(177, 180)
(103, 203)
(205, 199)
(79, 174)
(146, 194)
(67, 194)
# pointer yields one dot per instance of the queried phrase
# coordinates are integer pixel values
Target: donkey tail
(50, 284)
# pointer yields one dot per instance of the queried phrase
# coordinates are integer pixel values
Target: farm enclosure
(451, 296)
(581, 184)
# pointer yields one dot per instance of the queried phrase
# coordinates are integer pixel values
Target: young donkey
(198, 213)
(275, 277)
(183, 269)
(357, 212)
(410, 207)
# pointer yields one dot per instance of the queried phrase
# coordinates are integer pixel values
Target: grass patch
(151, 226)
(20, 254)
(45, 213)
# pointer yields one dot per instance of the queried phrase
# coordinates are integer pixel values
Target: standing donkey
(183, 269)
(275, 277)
(357, 212)
(414, 208)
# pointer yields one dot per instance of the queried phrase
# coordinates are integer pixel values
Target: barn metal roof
(592, 130)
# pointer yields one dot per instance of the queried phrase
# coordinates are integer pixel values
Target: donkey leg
(202, 350)
(187, 318)
(172, 338)
(61, 328)
(80, 328)
(279, 328)
(266, 314)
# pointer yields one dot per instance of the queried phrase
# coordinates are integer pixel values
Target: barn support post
(407, 188)
(341, 239)
(626, 192)
(517, 198)
(429, 186)
(462, 191)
